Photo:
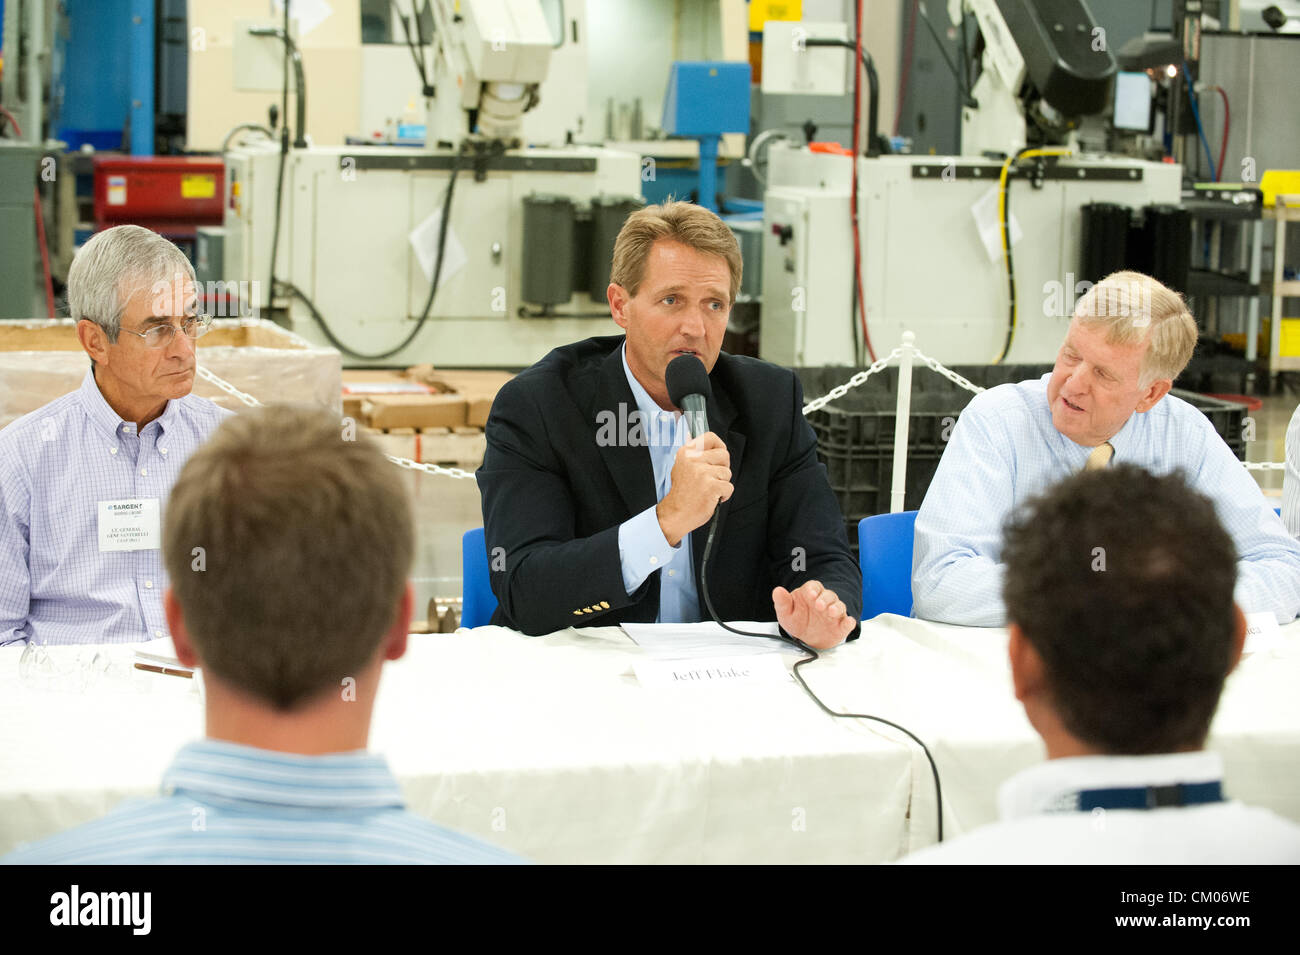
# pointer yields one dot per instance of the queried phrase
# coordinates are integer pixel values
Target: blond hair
(684, 222)
(1135, 308)
(288, 547)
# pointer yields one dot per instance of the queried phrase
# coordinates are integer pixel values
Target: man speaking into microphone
(597, 501)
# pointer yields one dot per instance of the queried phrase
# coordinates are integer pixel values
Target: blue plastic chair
(885, 555)
(479, 601)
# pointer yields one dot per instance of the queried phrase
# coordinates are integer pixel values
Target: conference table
(562, 749)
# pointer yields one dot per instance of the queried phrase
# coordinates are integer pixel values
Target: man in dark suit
(595, 500)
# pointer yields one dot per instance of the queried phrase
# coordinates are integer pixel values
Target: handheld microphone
(689, 389)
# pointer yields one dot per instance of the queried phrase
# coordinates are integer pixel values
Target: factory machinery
(931, 256)
(471, 251)
(477, 249)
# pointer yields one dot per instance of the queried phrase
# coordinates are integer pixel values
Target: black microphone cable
(812, 656)
(688, 389)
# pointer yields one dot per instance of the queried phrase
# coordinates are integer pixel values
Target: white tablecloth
(550, 746)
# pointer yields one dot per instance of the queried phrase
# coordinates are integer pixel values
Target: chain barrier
(948, 373)
(835, 393)
(410, 465)
(841, 390)
(227, 387)
(406, 463)
(934, 365)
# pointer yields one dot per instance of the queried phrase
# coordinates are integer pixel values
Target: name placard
(712, 671)
(1262, 633)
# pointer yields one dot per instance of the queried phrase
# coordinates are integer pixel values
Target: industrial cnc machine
(526, 247)
(930, 227)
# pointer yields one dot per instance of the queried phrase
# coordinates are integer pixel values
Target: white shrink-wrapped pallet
(41, 360)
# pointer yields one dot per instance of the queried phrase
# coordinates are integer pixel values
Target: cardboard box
(479, 388)
(476, 414)
(465, 382)
(357, 384)
(414, 411)
(463, 446)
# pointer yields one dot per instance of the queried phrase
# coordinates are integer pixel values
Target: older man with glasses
(83, 480)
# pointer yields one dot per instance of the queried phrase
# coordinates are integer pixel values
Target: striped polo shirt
(227, 803)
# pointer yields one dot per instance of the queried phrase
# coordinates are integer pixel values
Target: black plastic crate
(855, 433)
(1228, 418)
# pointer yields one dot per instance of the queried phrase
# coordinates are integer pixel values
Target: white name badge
(712, 671)
(130, 525)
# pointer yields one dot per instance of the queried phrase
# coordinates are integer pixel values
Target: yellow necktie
(1100, 457)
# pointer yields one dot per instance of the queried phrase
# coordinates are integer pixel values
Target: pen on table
(168, 671)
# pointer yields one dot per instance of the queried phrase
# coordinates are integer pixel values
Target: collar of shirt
(1051, 786)
(663, 429)
(1123, 440)
(103, 417)
(231, 771)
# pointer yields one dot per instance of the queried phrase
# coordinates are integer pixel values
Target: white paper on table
(985, 211)
(1262, 633)
(682, 641)
(711, 672)
(309, 13)
(424, 240)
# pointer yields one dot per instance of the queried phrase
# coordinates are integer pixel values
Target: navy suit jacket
(554, 496)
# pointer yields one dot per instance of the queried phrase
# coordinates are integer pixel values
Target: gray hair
(115, 265)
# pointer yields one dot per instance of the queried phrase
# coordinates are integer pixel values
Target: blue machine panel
(104, 75)
(707, 98)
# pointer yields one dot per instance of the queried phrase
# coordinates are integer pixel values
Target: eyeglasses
(160, 336)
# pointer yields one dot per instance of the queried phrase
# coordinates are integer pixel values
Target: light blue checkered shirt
(1005, 450)
(56, 465)
(226, 803)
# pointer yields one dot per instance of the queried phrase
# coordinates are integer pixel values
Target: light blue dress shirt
(642, 547)
(56, 465)
(1005, 450)
(226, 803)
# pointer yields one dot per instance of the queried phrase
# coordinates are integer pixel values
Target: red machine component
(172, 195)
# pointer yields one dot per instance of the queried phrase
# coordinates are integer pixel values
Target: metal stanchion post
(902, 417)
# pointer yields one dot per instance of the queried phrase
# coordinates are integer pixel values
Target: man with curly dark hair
(1119, 596)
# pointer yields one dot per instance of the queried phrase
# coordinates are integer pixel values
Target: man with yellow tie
(1107, 398)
